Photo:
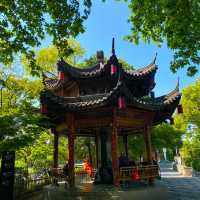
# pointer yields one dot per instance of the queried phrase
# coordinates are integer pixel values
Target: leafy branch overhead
(176, 22)
(23, 24)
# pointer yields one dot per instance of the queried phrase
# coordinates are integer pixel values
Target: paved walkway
(173, 186)
(178, 186)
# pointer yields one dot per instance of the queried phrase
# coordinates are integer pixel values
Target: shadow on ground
(173, 186)
(103, 192)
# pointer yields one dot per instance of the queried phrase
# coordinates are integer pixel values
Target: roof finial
(177, 85)
(113, 46)
(154, 60)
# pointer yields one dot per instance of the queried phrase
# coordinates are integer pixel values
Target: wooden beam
(93, 122)
(129, 122)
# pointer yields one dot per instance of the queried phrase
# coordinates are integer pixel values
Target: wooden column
(125, 140)
(115, 163)
(97, 151)
(55, 153)
(71, 137)
(147, 139)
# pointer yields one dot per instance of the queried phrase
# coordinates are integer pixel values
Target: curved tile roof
(142, 71)
(78, 72)
(96, 100)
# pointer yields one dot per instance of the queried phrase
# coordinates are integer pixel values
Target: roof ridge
(144, 70)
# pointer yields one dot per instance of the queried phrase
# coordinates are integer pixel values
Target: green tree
(189, 121)
(175, 22)
(191, 104)
(24, 24)
(47, 58)
(190, 151)
(20, 120)
(92, 60)
(37, 155)
(165, 135)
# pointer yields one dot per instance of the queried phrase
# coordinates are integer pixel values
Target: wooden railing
(80, 175)
(142, 172)
(24, 184)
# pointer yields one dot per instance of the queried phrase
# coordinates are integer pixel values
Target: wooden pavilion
(105, 101)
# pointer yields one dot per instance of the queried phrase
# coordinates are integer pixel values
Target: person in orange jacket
(87, 167)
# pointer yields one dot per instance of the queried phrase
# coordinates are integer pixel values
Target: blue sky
(109, 20)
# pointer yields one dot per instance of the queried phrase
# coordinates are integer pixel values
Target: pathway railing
(139, 172)
(25, 184)
(81, 176)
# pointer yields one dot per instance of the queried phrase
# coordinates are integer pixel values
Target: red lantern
(113, 69)
(180, 108)
(135, 175)
(61, 76)
(121, 102)
(43, 108)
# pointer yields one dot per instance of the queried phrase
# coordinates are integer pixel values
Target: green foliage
(125, 65)
(174, 22)
(191, 104)
(165, 135)
(81, 148)
(136, 147)
(25, 23)
(92, 60)
(20, 120)
(37, 155)
(190, 152)
(89, 62)
(63, 150)
(47, 58)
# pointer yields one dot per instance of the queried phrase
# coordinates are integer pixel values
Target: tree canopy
(23, 24)
(191, 106)
(47, 58)
(175, 22)
(189, 121)
(165, 135)
(20, 120)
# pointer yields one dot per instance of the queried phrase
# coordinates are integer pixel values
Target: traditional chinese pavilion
(105, 101)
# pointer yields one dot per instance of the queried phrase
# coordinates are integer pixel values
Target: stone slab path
(178, 186)
(173, 186)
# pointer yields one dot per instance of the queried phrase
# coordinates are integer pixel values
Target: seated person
(87, 167)
(123, 160)
(132, 163)
(154, 162)
(66, 169)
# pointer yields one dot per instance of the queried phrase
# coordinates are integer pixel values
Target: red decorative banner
(113, 69)
(61, 76)
(43, 108)
(121, 102)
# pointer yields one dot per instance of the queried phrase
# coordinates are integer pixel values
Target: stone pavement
(178, 186)
(173, 186)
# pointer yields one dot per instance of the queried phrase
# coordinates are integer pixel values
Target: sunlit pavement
(173, 186)
(178, 186)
